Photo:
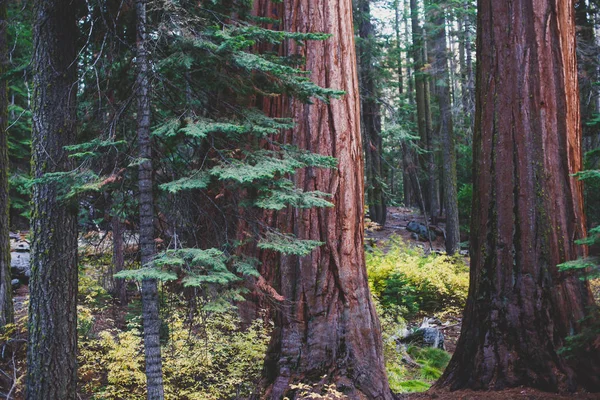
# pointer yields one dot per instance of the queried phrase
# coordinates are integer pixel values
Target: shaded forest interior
(299, 199)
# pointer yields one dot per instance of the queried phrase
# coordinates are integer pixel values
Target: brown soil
(507, 394)
(397, 220)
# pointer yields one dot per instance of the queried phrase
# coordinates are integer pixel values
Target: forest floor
(397, 220)
(506, 394)
(396, 225)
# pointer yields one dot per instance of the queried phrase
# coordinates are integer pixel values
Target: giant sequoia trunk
(440, 67)
(329, 326)
(6, 305)
(371, 117)
(150, 301)
(52, 348)
(527, 208)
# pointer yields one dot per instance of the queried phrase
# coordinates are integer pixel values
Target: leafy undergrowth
(421, 284)
(408, 285)
(206, 355)
(405, 378)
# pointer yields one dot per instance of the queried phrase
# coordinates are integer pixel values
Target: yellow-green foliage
(317, 391)
(404, 276)
(215, 361)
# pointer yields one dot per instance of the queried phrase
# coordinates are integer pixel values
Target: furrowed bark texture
(371, 117)
(150, 301)
(330, 326)
(6, 304)
(527, 209)
(440, 67)
(52, 348)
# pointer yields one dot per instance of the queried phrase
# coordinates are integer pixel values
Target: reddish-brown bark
(527, 208)
(327, 324)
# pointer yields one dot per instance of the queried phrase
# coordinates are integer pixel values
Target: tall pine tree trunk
(527, 208)
(423, 100)
(440, 67)
(119, 258)
(330, 326)
(6, 305)
(371, 117)
(407, 186)
(52, 348)
(150, 301)
(469, 91)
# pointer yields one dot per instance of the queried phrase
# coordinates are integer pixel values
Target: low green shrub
(216, 360)
(411, 386)
(406, 277)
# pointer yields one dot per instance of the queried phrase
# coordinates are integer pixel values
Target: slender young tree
(118, 230)
(371, 115)
(442, 77)
(408, 192)
(150, 301)
(423, 100)
(52, 348)
(330, 327)
(6, 305)
(469, 79)
(527, 207)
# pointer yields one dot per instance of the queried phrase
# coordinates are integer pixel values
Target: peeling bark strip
(330, 327)
(52, 348)
(527, 209)
(6, 304)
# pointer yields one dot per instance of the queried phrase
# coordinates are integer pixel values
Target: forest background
(176, 184)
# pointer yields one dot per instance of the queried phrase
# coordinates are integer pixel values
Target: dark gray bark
(6, 305)
(423, 100)
(118, 259)
(150, 300)
(469, 85)
(52, 348)
(442, 78)
(371, 117)
(407, 185)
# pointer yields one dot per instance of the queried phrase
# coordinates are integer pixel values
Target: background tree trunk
(150, 300)
(442, 77)
(119, 259)
(527, 209)
(6, 304)
(371, 116)
(330, 327)
(52, 348)
(423, 100)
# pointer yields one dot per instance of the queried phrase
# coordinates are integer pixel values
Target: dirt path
(397, 221)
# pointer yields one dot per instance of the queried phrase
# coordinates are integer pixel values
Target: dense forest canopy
(330, 199)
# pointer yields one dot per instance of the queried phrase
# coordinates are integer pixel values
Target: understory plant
(422, 284)
(212, 360)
